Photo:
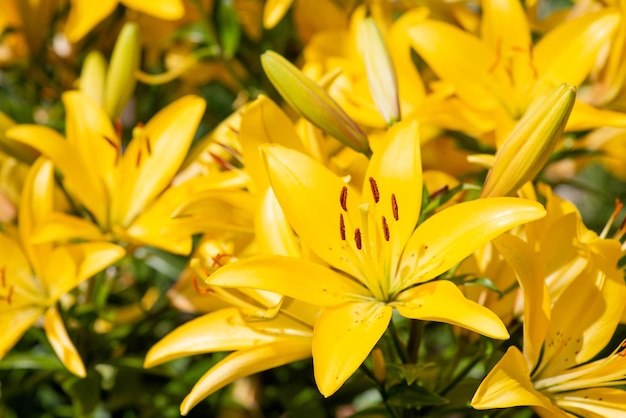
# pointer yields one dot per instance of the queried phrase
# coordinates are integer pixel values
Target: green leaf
(32, 361)
(85, 393)
(413, 397)
(378, 411)
(228, 28)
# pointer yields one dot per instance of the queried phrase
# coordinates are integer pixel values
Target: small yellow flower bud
(529, 146)
(380, 369)
(120, 82)
(381, 75)
(312, 102)
(93, 76)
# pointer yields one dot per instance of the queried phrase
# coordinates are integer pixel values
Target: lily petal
(594, 402)
(152, 158)
(454, 233)
(343, 338)
(293, 277)
(272, 231)
(244, 363)
(162, 9)
(508, 384)
(84, 15)
(61, 343)
(579, 40)
(13, 324)
(394, 188)
(308, 192)
(528, 269)
(443, 301)
(223, 330)
(273, 12)
(59, 226)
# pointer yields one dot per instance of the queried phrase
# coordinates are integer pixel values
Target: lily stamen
(374, 188)
(3, 278)
(115, 147)
(342, 227)
(343, 198)
(357, 238)
(394, 207)
(385, 228)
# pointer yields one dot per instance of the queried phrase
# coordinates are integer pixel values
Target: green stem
(464, 371)
(398, 343)
(416, 331)
(380, 387)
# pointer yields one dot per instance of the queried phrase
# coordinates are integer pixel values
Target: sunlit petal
(309, 194)
(273, 232)
(155, 154)
(342, 340)
(163, 9)
(13, 324)
(594, 402)
(61, 343)
(293, 277)
(508, 384)
(454, 233)
(84, 15)
(244, 363)
(223, 330)
(442, 301)
(273, 12)
(59, 226)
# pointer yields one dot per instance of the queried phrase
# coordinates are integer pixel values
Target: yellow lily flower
(499, 73)
(383, 263)
(85, 15)
(553, 375)
(34, 276)
(120, 190)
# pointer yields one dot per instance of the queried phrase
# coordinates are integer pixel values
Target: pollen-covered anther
(343, 198)
(357, 238)
(394, 207)
(138, 161)
(3, 276)
(342, 227)
(374, 188)
(217, 260)
(148, 146)
(118, 127)
(115, 147)
(440, 191)
(198, 289)
(385, 228)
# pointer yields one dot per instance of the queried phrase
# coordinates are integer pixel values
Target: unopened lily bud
(120, 82)
(381, 74)
(93, 76)
(312, 102)
(529, 146)
(380, 369)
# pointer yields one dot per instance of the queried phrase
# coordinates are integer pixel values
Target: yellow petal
(593, 402)
(244, 363)
(149, 168)
(27, 289)
(396, 169)
(61, 343)
(580, 41)
(309, 194)
(293, 277)
(508, 384)
(81, 180)
(583, 319)
(442, 301)
(272, 231)
(223, 330)
(68, 265)
(529, 272)
(162, 9)
(585, 117)
(454, 233)
(457, 57)
(13, 324)
(264, 122)
(84, 15)
(342, 340)
(504, 26)
(59, 226)
(273, 12)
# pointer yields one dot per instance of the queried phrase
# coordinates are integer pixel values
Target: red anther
(374, 188)
(357, 238)
(115, 147)
(342, 227)
(148, 146)
(232, 128)
(217, 260)
(9, 295)
(198, 289)
(439, 191)
(222, 163)
(3, 276)
(343, 198)
(139, 124)
(118, 127)
(493, 66)
(394, 207)
(385, 229)
(138, 161)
